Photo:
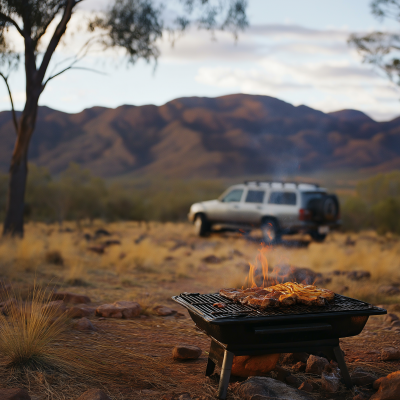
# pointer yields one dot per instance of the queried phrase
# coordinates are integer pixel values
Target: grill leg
(210, 367)
(225, 375)
(343, 367)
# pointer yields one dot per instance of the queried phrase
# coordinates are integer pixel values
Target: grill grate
(204, 304)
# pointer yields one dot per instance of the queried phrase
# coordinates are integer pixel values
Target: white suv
(275, 207)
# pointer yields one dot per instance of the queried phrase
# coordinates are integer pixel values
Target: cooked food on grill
(219, 305)
(283, 294)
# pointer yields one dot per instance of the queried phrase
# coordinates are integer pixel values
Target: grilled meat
(284, 294)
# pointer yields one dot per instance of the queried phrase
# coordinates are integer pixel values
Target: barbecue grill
(239, 330)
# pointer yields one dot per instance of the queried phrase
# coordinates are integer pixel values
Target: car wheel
(270, 231)
(318, 237)
(201, 225)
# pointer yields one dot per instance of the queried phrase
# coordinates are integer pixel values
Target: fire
(269, 277)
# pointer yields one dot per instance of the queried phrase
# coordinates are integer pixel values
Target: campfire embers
(240, 329)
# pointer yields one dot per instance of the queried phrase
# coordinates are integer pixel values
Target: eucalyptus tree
(133, 26)
(380, 48)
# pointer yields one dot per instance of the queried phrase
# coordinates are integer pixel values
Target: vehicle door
(252, 207)
(231, 206)
(283, 205)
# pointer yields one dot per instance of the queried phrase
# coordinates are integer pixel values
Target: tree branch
(58, 33)
(69, 68)
(9, 19)
(12, 102)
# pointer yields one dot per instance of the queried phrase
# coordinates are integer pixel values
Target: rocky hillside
(208, 137)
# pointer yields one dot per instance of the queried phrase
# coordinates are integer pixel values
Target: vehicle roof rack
(257, 182)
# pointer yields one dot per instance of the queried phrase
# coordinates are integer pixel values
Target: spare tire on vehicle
(324, 209)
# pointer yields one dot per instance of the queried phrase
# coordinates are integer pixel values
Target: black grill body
(243, 330)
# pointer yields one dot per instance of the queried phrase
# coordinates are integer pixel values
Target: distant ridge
(208, 137)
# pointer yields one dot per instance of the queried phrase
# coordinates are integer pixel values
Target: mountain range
(208, 137)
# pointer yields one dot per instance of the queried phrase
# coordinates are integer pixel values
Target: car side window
(233, 196)
(283, 198)
(255, 196)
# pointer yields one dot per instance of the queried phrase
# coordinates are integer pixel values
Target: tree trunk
(14, 221)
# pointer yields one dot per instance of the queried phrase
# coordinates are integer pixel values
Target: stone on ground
(359, 377)
(390, 353)
(389, 389)
(245, 366)
(299, 367)
(163, 311)
(186, 352)
(70, 298)
(268, 388)
(306, 386)
(119, 309)
(315, 364)
(292, 358)
(330, 382)
(84, 324)
(93, 394)
(14, 394)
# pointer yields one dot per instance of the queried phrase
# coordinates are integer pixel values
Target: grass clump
(29, 330)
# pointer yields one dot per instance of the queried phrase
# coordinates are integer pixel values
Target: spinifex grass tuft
(28, 332)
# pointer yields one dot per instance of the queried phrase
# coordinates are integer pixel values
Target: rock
(54, 308)
(108, 243)
(186, 352)
(330, 381)
(389, 389)
(119, 309)
(359, 377)
(246, 366)
(390, 317)
(14, 394)
(299, 367)
(80, 311)
(70, 298)
(358, 275)
(378, 382)
(54, 257)
(291, 358)
(84, 324)
(389, 290)
(315, 364)
(280, 373)
(306, 386)
(93, 394)
(293, 381)
(99, 249)
(257, 388)
(211, 259)
(163, 311)
(390, 353)
(102, 232)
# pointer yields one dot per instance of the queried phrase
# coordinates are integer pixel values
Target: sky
(294, 50)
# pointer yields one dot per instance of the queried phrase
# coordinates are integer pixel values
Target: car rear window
(255, 196)
(233, 196)
(283, 198)
(307, 196)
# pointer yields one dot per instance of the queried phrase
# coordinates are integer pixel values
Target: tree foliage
(381, 49)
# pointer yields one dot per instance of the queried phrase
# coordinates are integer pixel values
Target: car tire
(318, 237)
(270, 231)
(201, 225)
